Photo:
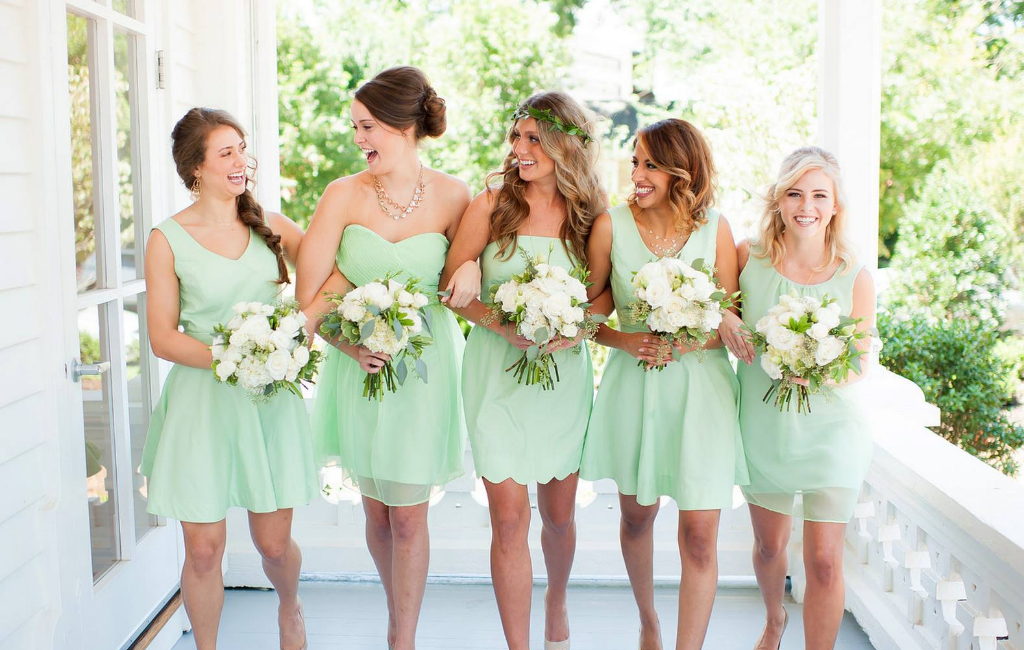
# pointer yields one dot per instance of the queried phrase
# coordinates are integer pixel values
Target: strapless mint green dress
(517, 431)
(822, 455)
(673, 432)
(402, 449)
(209, 447)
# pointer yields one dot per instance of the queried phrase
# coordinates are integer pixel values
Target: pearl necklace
(384, 200)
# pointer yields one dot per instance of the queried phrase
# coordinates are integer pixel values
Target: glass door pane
(98, 416)
(139, 408)
(127, 154)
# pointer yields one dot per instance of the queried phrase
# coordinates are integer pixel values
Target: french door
(112, 374)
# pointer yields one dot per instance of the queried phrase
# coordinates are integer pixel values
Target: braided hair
(188, 148)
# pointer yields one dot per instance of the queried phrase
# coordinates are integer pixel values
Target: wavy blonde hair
(575, 177)
(677, 147)
(837, 243)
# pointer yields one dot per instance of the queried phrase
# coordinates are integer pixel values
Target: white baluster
(948, 592)
(988, 629)
(585, 493)
(479, 493)
(888, 534)
(915, 561)
(865, 510)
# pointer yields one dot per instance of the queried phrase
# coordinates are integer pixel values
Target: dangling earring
(196, 190)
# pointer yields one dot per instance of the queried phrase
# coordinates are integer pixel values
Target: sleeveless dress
(209, 447)
(673, 432)
(400, 450)
(517, 431)
(824, 454)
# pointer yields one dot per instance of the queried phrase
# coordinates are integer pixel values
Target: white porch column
(849, 105)
(264, 140)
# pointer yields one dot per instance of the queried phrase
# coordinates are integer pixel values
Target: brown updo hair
(188, 148)
(677, 147)
(401, 97)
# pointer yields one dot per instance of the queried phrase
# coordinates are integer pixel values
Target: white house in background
(89, 91)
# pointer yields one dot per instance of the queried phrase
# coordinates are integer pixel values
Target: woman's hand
(731, 331)
(509, 332)
(369, 362)
(563, 343)
(649, 348)
(464, 285)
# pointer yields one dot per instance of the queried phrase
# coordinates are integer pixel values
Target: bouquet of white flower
(806, 338)
(264, 348)
(680, 302)
(386, 317)
(544, 302)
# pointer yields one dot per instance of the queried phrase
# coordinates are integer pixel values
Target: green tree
(475, 58)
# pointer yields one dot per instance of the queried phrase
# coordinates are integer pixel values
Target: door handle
(79, 370)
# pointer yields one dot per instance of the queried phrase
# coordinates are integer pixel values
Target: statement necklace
(402, 211)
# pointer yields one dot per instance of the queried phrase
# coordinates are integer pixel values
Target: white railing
(935, 558)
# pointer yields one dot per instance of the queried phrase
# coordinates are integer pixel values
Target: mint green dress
(400, 450)
(672, 432)
(517, 431)
(822, 455)
(209, 447)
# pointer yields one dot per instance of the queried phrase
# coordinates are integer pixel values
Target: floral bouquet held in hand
(807, 339)
(546, 303)
(386, 317)
(265, 349)
(680, 302)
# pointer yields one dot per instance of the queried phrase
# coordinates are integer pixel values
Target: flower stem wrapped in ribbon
(545, 302)
(679, 302)
(386, 317)
(264, 348)
(806, 338)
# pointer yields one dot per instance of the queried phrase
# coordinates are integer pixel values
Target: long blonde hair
(677, 147)
(575, 177)
(837, 243)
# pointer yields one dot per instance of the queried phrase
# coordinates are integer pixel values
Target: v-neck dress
(209, 447)
(672, 432)
(402, 449)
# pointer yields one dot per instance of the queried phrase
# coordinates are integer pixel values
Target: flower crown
(545, 115)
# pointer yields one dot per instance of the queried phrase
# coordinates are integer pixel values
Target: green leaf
(532, 352)
(421, 370)
(401, 372)
(367, 330)
(397, 326)
(541, 334)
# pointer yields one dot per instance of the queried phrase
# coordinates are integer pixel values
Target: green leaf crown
(545, 115)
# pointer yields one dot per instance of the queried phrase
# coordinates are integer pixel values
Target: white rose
(764, 324)
(674, 303)
(375, 293)
(569, 330)
(691, 316)
(785, 317)
(559, 273)
(405, 299)
(282, 340)
(290, 324)
(678, 319)
(217, 347)
(254, 307)
(782, 339)
(828, 349)
(555, 305)
(704, 288)
(267, 310)
(224, 369)
(293, 372)
(417, 322)
(238, 338)
(240, 307)
(353, 312)
(818, 331)
(657, 292)
(770, 367)
(301, 356)
(233, 354)
(710, 320)
(277, 364)
(420, 300)
(543, 270)
(234, 323)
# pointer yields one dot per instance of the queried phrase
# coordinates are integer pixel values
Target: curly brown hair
(188, 148)
(678, 148)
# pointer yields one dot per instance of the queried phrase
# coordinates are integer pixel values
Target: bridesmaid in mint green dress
(823, 455)
(397, 216)
(671, 431)
(209, 447)
(520, 433)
